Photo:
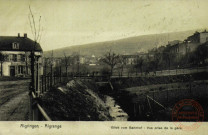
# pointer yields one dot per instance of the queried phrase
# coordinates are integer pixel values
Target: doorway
(12, 70)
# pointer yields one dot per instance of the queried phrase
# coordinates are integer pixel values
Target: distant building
(189, 45)
(82, 60)
(179, 47)
(198, 37)
(129, 59)
(15, 51)
(174, 42)
(54, 61)
(93, 61)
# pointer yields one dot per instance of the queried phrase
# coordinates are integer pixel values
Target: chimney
(25, 35)
(18, 35)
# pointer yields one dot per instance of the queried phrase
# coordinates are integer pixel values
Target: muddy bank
(81, 101)
(76, 101)
(116, 112)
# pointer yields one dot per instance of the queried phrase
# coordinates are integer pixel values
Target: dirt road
(14, 100)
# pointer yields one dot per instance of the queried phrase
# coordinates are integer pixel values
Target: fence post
(139, 111)
(48, 83)
(54, 79)
(45, 83)
(134, 109)
(35, 113)
(42, 79)
(51, 81)
(153, 97)
(60, 73)
(31, 102)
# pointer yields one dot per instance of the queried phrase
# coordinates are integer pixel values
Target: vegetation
(111, 59)
(76, 101)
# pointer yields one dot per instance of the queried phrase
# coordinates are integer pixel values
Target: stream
(115, 110)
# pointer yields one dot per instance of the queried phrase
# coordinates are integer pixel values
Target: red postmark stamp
(187, 114)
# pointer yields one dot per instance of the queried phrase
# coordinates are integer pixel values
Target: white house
(15, 52)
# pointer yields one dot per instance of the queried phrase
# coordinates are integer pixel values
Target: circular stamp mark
(187, 114)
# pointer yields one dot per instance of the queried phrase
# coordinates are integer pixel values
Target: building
(198, 37)
(189, 45)
(178, 47)
(15, 52)
(129, 59)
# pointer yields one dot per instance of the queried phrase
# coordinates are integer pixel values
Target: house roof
(174, 42)
(25, 44)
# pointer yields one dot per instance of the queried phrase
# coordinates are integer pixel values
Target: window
(15, 45)
(6, 57)
(19, 57)
(22, 57)
(14, 57)
(20, 69)
(10, 57)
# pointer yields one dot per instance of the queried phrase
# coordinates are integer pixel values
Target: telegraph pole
(32, 83)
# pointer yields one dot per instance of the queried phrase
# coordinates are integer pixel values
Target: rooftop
(25, 44)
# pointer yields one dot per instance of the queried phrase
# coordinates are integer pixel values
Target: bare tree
(139, 64)
(156, 61)
(121, 63)
(76, 61)
(168, 58)
(51, 62)
(35, 29)
(66, 62)
(37, 32)
(111, 59)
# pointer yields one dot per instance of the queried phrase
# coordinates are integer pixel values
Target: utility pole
(34, 85)
(51, 62)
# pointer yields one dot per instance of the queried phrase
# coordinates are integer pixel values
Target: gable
(8, 43)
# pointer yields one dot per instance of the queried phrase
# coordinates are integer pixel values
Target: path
(14, 100)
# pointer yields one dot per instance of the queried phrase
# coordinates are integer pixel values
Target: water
(115, 110)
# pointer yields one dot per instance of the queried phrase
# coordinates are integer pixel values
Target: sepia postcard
(103, 67)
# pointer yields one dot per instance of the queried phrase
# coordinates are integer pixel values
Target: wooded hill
(129, 45)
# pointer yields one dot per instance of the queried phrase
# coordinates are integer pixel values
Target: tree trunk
(111, 72)
(169, 67)
(45, 70)
(1, 68)
(26, 64)
(66, 71)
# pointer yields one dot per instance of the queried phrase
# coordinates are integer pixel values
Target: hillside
(129, 45)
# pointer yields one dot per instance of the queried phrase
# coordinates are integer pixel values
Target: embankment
(76, 101)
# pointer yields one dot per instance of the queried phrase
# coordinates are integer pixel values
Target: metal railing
(37, 110)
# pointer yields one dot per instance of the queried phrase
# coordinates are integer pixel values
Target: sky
(75, 22)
